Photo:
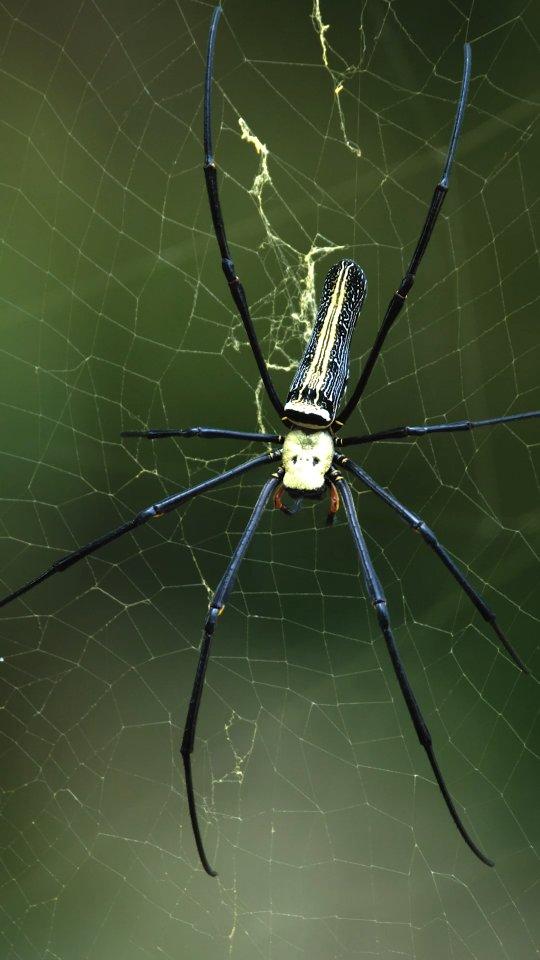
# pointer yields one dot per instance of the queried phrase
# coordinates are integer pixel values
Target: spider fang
(334, 503)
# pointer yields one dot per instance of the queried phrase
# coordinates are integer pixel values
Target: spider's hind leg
(236, 287)
(207, 433)
(458, 426)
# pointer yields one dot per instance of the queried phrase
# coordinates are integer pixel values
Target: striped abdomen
(321, 378)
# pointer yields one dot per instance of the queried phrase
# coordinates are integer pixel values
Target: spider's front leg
(416, 523)
(216, 608)
(378, 600)
(155, 510)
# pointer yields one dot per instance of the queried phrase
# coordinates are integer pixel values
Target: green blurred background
(317, 804)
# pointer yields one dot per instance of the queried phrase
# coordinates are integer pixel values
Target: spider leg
(149, 513)
(398, 433)
(379, 602)
(216, 608)
(207, 433)
(210, 174)
(429, 537)
(399, 297)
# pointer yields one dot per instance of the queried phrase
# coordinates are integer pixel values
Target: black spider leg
(157, 509)
(399, 297)
(216, 607)
(379, 602)
(429, 537)
(210, 174)
(399, 433)
(207, 433)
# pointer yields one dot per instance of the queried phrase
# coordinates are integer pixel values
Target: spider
(307, 459)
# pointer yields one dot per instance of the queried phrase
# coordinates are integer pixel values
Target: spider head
(306, 459)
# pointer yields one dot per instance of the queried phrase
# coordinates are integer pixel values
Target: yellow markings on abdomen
(316, 372)
(319, 382)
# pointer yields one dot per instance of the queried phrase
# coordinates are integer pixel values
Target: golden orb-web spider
(306, 456)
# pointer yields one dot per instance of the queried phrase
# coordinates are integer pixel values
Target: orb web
(317, 805)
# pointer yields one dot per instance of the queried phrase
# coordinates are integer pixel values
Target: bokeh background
(317, 804)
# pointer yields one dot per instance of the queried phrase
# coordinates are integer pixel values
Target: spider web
(317, 805)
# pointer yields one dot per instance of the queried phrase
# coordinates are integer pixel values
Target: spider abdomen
(320, 380)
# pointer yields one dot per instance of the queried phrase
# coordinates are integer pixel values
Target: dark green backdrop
(318, 806)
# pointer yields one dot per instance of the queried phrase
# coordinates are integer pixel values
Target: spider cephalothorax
(307, 455)
(306, 458)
